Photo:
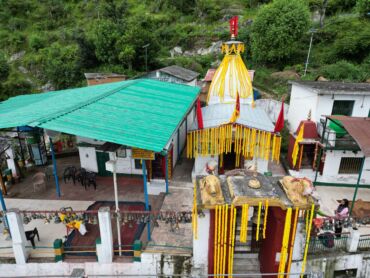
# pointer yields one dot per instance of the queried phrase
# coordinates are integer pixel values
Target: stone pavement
(180, 240)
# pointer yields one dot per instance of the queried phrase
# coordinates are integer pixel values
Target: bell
(34, 216)
(5, 232)
(125, 218)
(86, 218)
(130, 225)
(46, 221)
(50, 217)
(94, 220)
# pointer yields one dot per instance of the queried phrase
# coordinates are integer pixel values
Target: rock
(188, 53)
(176, 51)
(22, 69)
(215, 47)
(286, 74)
(321, 78)
(17, 56)
(47, 87)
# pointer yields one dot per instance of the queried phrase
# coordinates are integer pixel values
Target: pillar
(104, 249)
(353, 240)
(18, 236)
(200, 245)
(55, 172)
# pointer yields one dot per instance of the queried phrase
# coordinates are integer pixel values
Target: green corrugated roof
(141, 113)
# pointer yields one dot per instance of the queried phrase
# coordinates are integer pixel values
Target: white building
(327, 98)
(343, 146)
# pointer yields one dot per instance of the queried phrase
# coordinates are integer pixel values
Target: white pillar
(200, 245)
(11, 162)
(299, 242)
(353, 240)
(18, 236)
(105, 248)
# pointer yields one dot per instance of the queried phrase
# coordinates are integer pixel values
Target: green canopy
(140, 113)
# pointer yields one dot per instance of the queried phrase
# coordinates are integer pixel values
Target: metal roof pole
(146, 197)
(117, 204)
(54, 167)
(357, 184)
(166, 159)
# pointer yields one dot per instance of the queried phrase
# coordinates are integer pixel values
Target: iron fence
(327, 243)
(364, 243)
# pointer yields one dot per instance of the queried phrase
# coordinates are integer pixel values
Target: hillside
(49, 44)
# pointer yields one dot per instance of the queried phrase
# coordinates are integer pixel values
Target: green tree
(343, 71)
(277, 30)
(61, 65)
(4, 67)
(363, 7)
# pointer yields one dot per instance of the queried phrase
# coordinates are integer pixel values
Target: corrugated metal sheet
(359, 129)
(218, 114)
(138, 113)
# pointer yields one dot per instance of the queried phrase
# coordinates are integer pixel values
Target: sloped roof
(219, 114)
(328, 87)
(180, 72)
(140, 113)
(359, 129)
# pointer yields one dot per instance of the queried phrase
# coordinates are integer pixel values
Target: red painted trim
(211, 241)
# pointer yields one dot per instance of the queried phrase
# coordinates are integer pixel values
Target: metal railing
(364, 243)
(328, 243)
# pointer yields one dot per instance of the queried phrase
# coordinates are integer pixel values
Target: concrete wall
(150, 264)
(332, 263)
(332, 163)
(200, 245)
(301, 101)
(88, 158)
(272, 108)
(126, 165)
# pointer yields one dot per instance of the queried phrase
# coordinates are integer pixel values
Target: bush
(36, 42)
(4, 67)
(363, 7)
(277, 30)
(15, 85)
(343, 71)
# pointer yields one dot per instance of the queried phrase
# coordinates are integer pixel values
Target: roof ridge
(81, 104)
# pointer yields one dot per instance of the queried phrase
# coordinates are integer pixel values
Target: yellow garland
(285, 242)
(230, 237)
(258, 220)
(225, 238)
(195, 212)
(292, 240)
(265, 219)
(307, 241)
(215, 242)
(222, 238)
(232, 243)
(218, 239)
(248, 142)
(244, 224)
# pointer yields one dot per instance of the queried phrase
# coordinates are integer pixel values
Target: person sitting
(340, 213)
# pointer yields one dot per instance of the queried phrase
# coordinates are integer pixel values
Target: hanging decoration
(285, 242)
(244, 223)
(293, 240)
(195, 213)
(199, 114)
(308, 234)
(258, 220)
(236, 112)
(265, 219)
(248, 142)
(279, 125)
(296, 145)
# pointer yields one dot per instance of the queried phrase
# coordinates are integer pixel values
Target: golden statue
(210, 191)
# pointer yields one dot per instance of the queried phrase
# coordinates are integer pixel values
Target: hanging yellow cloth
(296, 145)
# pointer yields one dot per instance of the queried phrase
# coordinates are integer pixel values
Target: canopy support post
(357, 184)
(117, 205)
(146, 197)
(166, 159)
(54, 167)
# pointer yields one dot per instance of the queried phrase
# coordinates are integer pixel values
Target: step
(241, 249)
(243, 269)
(249, 261)
(245, 256)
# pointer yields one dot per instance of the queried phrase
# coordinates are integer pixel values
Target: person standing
(340, 213)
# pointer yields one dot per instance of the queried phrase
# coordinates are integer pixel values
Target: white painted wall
(200, 165)
(332, 163)
(200, 245)
(88, 158)
(272, 108)
(302, 99)
(126, 165)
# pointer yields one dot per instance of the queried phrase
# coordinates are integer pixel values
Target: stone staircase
(244, 260)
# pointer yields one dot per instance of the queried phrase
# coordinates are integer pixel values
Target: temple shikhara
(243, 212)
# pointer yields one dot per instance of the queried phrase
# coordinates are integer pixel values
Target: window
(343, 107)
(350, 165)
(121, 152)
(138, 164)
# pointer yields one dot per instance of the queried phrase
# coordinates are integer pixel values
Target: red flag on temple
(199, 114)
(280, 121)
(234, 26)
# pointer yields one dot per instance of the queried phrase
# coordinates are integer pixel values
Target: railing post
(353, 240)
(104, 250)
(58, 250)
(137, 250)
(18, 236)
